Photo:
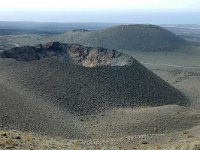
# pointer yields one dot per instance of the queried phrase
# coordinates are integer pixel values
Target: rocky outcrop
(70, 53)
(91, 57)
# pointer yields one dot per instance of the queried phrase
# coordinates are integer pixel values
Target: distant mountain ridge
(127, 37)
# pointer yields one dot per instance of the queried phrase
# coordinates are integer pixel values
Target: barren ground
(169, 127)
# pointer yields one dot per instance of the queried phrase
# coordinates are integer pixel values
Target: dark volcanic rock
(26, 53)
(71, 53)
(80, 30)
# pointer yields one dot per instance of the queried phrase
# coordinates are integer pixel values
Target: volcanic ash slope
(72, 80)
(48, 87)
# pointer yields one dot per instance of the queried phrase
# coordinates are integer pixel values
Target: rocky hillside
(184, 140)
(127, 37)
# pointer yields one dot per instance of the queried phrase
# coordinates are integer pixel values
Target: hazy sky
(130, 11)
